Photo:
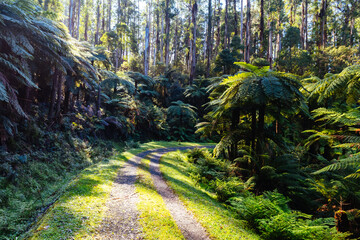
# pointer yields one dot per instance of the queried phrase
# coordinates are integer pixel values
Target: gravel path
(121, 221)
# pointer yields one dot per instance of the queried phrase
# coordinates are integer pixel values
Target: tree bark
(167, 31)
(86, 27)
(241, 21)
(78, 20)
(55, 79)
(59, 96)
(157, 33)
(162, 40)
(262, 28)
(109, 17)
(193, 57)
(71, 17)
(209, 40)
(146, 53)
(226, 24)
(248, 26)
(236, 31)
(97, 37)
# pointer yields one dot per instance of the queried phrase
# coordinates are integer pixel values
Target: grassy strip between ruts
(155, 218)
(219, 222)
(78, 213)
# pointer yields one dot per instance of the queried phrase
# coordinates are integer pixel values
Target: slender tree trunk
(103, 18)
(226, 24)
(323, 25)
(306, 24)
(119, 12)
(46, 5)
(253, 129)
(278, 38)
(109, 17)
(209, 40)
(167, 31)
(262, 26)
(146, 52)
(86, 27)
(78, 20)
(218, 29)
(162, 40)
(59, 96)
(176, 41)
(302, 26)
(248, 26)
(270, 49)
(241, 21)
(55, 79)
(193, 57)
(71, 17)
(157, 33)
(236, 31)
(97, 37)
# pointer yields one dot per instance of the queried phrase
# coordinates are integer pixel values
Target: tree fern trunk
(53, 94)
(59, 96)
(253, 129)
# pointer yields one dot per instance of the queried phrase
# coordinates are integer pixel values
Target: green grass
(219, 222)
(155, 218)
(79, 211)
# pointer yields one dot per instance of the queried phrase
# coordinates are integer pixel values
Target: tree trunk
(119, 12)
(109, 17)
(157, 33)
(98, 102)
(241, 22)
(302, 27)
(262, 26)
(270, 49)
(97, 37)
(236, 31)
(55, 79)
(253, 128)
(261, 125)
(167, 31)
(59, 96)
(78, 20)
(146, 53)
(323, 25)
(86, 27)
(248, 26)
(209, 40)
(162, 40)
(226, 24)
(235, 118)
(71, 17)
(46, 5)
(176, 41)
(193, 57)
(218, 29)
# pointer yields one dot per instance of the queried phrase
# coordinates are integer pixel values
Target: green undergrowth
(35, 177)
(155, 218)
(79, 211)
(218, 220)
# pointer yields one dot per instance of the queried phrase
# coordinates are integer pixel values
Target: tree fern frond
(352, 161)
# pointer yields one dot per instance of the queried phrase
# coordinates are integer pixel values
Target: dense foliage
(275, 84)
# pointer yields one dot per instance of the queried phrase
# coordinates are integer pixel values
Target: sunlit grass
(155, 218)
(219, 222)
(78, 213)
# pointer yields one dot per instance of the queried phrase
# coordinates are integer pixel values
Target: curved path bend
(121, 220)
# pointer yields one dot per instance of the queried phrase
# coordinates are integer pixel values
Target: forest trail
(121, 221)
